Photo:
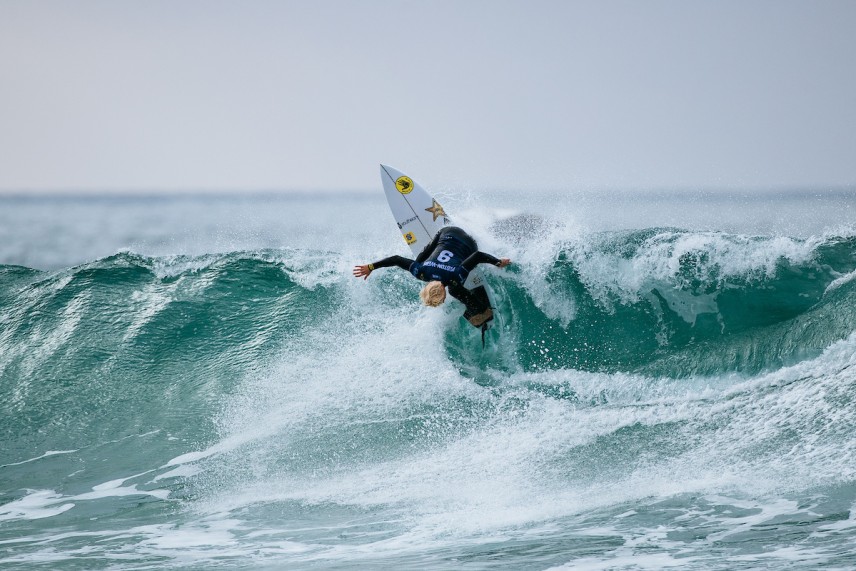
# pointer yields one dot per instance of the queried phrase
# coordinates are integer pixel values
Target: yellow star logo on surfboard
(436, 210)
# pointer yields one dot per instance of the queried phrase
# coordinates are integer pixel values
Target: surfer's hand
(503, 262)
(362, 271)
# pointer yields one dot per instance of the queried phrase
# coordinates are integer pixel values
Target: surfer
(445, 263)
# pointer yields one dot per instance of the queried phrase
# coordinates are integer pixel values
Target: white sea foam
(45, 455)
(39, 504)
(840, 281)
(36, 504)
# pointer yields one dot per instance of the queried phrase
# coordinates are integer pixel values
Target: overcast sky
(187, 95)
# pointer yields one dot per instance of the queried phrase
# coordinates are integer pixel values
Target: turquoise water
(199, 382)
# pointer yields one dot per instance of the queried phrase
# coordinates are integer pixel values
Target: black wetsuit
(449, 259)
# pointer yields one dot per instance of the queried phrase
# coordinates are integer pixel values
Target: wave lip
(681, 303)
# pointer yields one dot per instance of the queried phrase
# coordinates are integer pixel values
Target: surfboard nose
(390, 172)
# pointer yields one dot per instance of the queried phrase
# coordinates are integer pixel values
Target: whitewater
(198, 382)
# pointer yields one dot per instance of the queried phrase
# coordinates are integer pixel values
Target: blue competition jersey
(448, 273)
(444, 263)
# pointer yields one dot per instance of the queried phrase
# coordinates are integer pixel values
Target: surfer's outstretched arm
(400, 261)
(483, 258)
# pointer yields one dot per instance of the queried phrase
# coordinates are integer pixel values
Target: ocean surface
(197, 382)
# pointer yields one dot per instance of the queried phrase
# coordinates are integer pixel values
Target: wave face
(647, 398)
(683, 303)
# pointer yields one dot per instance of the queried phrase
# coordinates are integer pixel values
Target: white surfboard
(418, 215)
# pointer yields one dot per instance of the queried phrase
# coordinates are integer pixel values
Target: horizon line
(7, 193)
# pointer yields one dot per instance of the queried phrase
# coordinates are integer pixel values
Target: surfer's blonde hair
(433, 294)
